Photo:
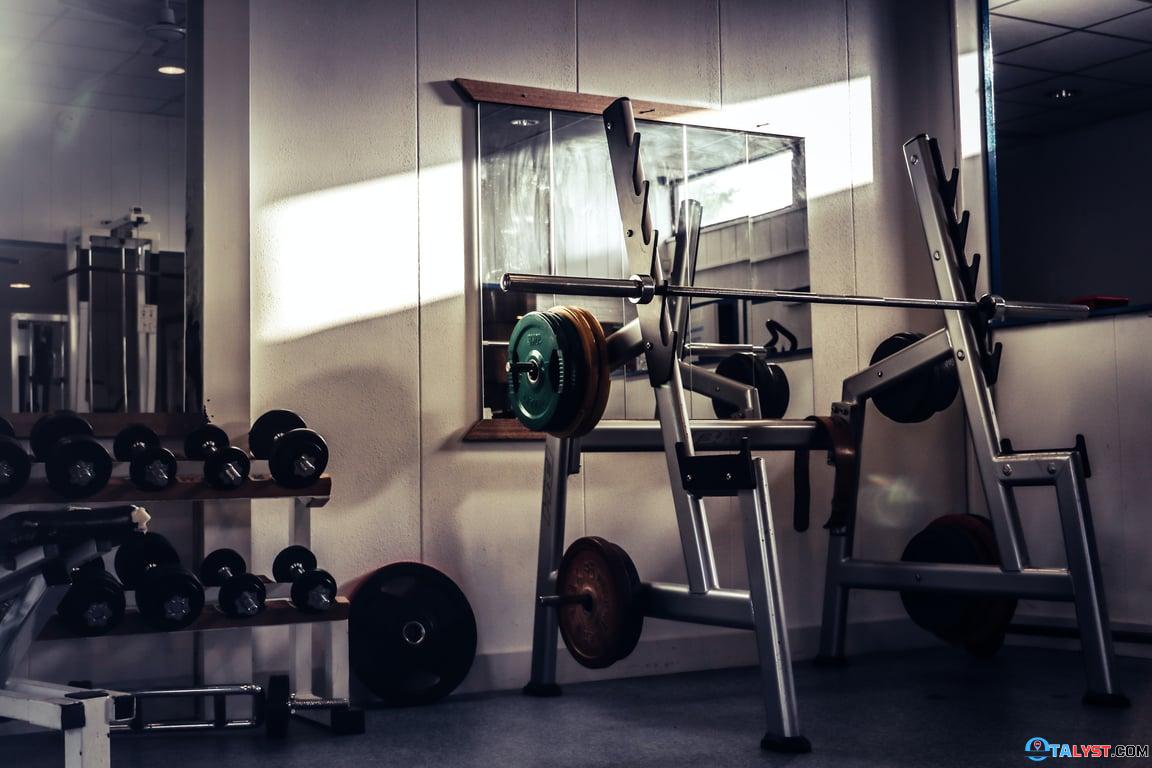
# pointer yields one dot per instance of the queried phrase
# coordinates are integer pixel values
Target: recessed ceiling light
(19, 285)
(170, 69)
(524, 122)
(1062, 94)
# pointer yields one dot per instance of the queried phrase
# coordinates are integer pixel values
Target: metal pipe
(640, 290)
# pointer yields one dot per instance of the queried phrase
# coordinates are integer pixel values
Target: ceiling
(1099, 51)
(90, 53)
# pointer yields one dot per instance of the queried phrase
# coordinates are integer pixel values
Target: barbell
(642, 289)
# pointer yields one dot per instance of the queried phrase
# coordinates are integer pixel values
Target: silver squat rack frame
(658, 333)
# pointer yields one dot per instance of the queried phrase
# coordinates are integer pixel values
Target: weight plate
(277, 706)
(575, 372)
(262, 436)
(131, 439)
(535, 397)
(219, 559)
(6, 428)
(154, 469)
(170, 597)
(48, 430)
(227, 469)
(973, 621)
(603, 373)
(411, 633)
(770, 381)
(15, 466)
(197, 439)
(242, 596)
(295, 554)
(78, 466)
(945, 384)
(589, 375)
(603, 631)
(139, 553)
(298, 458)
(93, 605)
(910, 400)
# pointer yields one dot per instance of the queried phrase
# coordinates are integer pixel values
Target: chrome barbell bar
(641, 289)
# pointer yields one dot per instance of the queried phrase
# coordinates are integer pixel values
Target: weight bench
(38, 550)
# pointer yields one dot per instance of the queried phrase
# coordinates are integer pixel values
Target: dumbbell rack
(189, 487)
(657, 334)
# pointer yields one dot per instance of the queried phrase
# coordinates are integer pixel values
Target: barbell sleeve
(1000, 309)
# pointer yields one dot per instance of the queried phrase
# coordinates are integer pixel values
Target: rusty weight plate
(604, 372)
(606, 627)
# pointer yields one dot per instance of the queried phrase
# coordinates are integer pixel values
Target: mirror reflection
(92, 205)
(548, 205)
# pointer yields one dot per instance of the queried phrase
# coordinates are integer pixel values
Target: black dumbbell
(313, 590)
(74, 461)
(296, 455)
(242, 594)
(94, 604)
(152, 467)
(168, 596)
(225, 466)
(15, 463)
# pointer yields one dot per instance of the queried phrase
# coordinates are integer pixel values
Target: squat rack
(658, 333)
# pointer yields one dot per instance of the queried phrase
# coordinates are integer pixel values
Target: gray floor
(932, 708)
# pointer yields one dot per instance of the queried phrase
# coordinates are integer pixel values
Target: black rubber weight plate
(411, 634)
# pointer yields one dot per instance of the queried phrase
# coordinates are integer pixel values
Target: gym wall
(363, 296)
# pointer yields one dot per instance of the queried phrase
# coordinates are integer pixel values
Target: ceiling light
(1063, 94)
(171, 69)
(524, 122)
(19, 285)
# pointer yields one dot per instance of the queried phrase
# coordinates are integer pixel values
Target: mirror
(1069, 171)
(93, 205)
(547, 204)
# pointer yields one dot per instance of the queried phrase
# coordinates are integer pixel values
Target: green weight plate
(535, 398)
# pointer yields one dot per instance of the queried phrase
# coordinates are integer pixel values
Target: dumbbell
(225, 466)
(242, 594)
(923, 393)
(74, 461)
(313, 590)
(296, 455)
(94, 604)
(168, 596)
(151, 467)
(15, 463)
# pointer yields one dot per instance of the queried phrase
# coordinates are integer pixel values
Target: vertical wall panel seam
(851, 166)
(419, 283)
(719, 56)
(1125, 562)
(576, 36)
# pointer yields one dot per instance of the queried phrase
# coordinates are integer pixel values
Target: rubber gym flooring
(933, 707)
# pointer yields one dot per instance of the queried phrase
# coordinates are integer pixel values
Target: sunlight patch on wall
(334, 257)
(971, 113)
(835, 121)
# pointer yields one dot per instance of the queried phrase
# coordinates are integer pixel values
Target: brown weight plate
(588, 396)
(601, 634)
(604, 386)
(635, 626)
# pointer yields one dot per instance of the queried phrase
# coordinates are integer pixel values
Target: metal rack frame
(657, 333)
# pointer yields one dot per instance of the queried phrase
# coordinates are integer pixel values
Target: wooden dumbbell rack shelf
(215, 659)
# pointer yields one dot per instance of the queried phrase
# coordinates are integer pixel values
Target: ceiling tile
(71, 57)
(1136, 25)
(23, 25)
(1072, 13)
(1009, 33)
(121, 103)
(149, 87)
(1135, 69)
(1073, 51)
(1007, 111)
(172, 109)
(95, 34)
(1006, 77)
(1087, 91)
(41, 7)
